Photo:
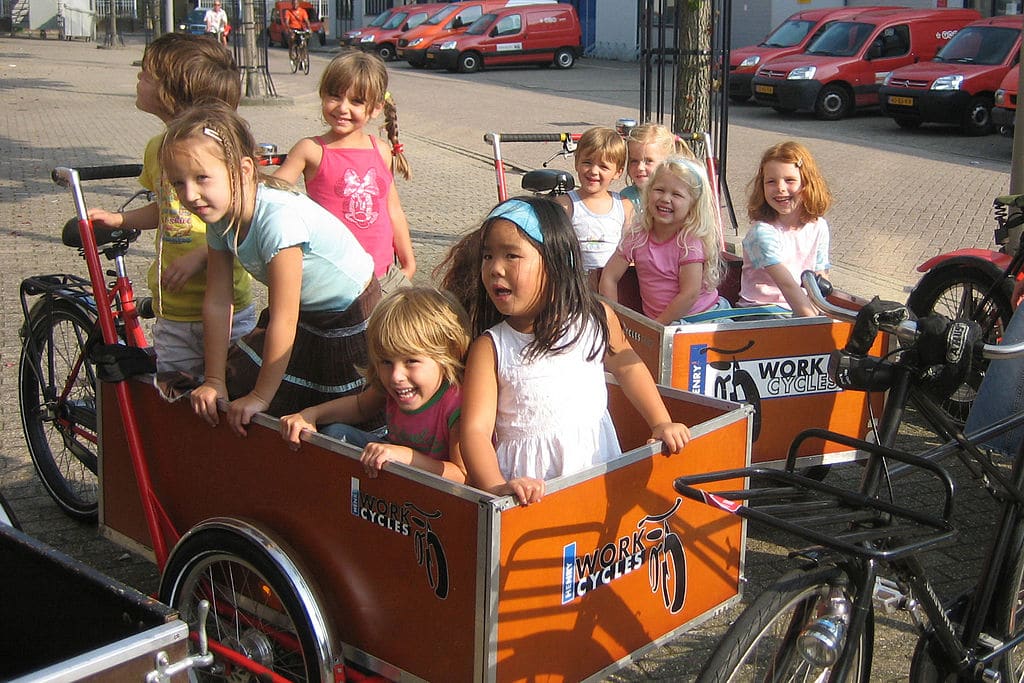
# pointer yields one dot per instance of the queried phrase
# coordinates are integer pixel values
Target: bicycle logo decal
(406, 519)
(654, 543)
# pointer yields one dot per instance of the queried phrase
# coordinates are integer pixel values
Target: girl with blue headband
(535, 402)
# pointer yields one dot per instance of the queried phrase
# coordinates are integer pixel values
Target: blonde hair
(188, 69)
(662, 138)
(604, 143)
(218, 126)
(815, 198)
(418, 321)
(365, 76)
(700, 222)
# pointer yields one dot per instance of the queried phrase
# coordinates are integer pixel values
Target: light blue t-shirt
(335, 268)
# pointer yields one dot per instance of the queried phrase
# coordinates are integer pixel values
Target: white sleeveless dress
(552, 417)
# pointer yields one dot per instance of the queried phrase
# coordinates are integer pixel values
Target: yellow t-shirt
(180, 232)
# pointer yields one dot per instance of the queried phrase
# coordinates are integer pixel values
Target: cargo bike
(312, 570)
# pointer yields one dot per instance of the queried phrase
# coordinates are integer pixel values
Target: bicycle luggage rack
(844, 520)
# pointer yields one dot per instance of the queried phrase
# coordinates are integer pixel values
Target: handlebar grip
(103, 172)
(528, 137)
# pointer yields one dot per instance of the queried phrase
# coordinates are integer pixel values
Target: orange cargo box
(419, 578)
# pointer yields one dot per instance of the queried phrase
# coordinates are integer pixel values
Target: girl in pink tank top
(345, 170)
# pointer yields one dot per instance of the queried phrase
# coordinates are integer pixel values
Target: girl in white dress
(535, 405)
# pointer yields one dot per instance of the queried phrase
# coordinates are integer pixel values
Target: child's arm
(402, 239)
(479, 408)
(791, 290)
(217, 306)
(304, 156)
(143, 218)
(377, 453)
(347, 410)
(613, 271)
(284, 282)
(691, 277)
(180, 270)
(638, 385)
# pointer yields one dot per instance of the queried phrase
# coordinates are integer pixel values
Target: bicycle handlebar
(62, 174)
(528, 137)
(905, 330)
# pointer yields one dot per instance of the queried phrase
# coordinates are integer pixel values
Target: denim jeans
(1002, 392)
(353, 436)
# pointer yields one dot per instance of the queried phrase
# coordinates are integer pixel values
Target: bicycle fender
(979, 257)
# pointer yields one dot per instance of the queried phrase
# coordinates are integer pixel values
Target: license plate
(765, 89)
(901, 101)
(430, 55)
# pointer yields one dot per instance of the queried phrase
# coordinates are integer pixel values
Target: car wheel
(833, 103)
(907, 124)
(977, 120)
(565, 58)
(469, 62)
(386, 52)
(322, 37)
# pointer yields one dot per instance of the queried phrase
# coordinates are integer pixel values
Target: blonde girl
(535, 401)
(349, 173)
(319, 280)
(648, 145)
(675, 246)
(417, 338)
(787, 203)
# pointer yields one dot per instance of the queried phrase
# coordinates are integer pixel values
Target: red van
(1004, 111)
(959, 85)
(351, 38)
(845, 66)
(789, 38)
(384, 40)
(532, 34)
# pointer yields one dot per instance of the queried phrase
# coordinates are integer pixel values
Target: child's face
(643, 159)
(200, 178)
(513, 274)
(347, 113)
(669, 200)
(595, 173)
(410, 380)
(782, 187)
(146, 95)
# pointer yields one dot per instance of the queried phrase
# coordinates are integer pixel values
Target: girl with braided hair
(349, 173)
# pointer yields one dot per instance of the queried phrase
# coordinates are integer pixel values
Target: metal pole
(1017, 158)
(255, 84)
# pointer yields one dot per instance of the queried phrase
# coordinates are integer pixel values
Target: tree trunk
(693, 76)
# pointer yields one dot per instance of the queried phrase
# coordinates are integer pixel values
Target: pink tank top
(353, 184)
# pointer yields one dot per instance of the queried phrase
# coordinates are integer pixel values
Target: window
(508, 26)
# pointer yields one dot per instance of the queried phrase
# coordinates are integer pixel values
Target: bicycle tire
(61, 430)
(305, 62)
(766, 632)
(1008, 608)
(958, 293)
(293, 59)
(255, 608)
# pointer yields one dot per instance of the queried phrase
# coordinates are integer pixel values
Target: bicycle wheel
(761, 644)
(293, 58)
(57, 394)
(1008, 608)
(256, 607)
(305, 59)
(959, 293)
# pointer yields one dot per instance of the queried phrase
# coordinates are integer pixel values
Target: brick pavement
(71, 103)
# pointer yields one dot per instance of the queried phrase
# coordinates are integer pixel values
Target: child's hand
(292, 426)
(180, 270)
(526, 490)
(204, 400)
(376, 454)
(242, 409)
(106, 219)
(675, 435)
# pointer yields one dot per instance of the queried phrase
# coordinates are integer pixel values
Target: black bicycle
(816, 623)
(298, 52)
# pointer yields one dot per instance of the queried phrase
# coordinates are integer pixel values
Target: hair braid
(399, 163)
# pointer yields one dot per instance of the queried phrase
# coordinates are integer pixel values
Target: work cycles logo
(654, 543)
(407, 519)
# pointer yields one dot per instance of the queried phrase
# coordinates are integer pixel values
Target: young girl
(535, 400)
(320, 281)
(647, 146)
(788, 199)
(417, 340)
(675, 246)
(348, 173)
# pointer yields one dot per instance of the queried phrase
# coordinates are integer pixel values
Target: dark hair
(569, 303)
(189, 69)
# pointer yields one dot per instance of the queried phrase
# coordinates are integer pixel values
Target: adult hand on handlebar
(204, 400)
(242, 409)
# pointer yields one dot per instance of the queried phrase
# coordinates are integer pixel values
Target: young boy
(598, 214)
(179, 70)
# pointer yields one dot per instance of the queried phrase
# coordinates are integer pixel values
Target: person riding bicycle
(216, 20)
(294, 18)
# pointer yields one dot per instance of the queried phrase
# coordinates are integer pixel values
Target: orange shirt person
(295, 19)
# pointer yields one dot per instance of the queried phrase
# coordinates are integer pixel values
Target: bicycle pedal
(888, 596)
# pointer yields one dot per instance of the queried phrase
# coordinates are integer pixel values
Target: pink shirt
(657, 270)
(353, 184)
(427, 429)
(798, 249)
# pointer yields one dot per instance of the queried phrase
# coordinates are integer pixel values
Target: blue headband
(522, 214)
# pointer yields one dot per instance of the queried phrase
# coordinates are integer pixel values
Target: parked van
(384, 40)
(532, 34)
(351, 38)
(452, 19)
(959, 85)
(845, 66)
(1004, 111)
(789, 38)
